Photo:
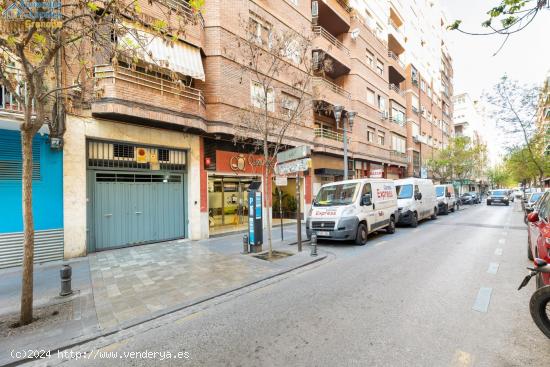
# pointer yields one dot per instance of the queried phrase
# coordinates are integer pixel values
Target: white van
(350, 210)
(416, 200)
(446, 198)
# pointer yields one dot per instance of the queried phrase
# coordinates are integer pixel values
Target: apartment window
(381, 138)
(398, 143)
(379, 67)
(370, 58)
(415, 129)
(370, 135)
(414, 75)
(398, 116)
(259, 30)
(415, 103)
(289, 104)
(370, 97)
(430, 140)
(258, 97)
(381, 103)
(423, 85)
(429, 92)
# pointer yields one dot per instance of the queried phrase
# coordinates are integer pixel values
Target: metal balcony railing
(344, 4)
(321, 132)
(186, 10)
(396, 89)
(153, 82)
(321, 32)
(8, 102)
(394, 26)
(392, 55)
(398, 156)
(323, 83)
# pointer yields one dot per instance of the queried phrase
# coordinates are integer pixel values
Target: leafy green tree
(521, 165)
(499, 176)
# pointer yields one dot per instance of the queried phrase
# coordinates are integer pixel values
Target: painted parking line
(498, 251)
(483, 298)
(493, 268)
(502, 241)
(379, 243)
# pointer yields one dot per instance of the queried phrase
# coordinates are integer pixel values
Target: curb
(155, 315)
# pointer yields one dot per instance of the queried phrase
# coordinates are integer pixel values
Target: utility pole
(298, 214)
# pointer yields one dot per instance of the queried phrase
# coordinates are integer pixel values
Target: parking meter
(255, 217)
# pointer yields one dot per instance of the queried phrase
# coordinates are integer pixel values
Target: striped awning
(157, 50)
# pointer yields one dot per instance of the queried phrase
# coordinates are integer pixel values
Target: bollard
(245, 244)
(66, 273)
(313, 244)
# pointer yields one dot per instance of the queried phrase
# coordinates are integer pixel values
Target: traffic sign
(293, 166)
(300, 152)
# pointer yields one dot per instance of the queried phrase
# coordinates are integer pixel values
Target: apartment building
(154, 154)
(543, 113)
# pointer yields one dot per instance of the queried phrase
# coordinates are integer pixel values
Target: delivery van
(446, 198)
(415, 200)
(350, 210)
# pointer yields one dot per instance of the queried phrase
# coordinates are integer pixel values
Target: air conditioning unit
(314, 9)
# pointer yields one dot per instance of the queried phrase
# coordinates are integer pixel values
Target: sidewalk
(121, 288)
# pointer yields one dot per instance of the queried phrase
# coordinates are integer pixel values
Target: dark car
(470, 198)
(498, 197)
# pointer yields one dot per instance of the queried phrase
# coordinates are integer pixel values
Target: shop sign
(281, 181)
(301, 152)
(377, 173)
(142, 156)
(238, 162)
(293, 166)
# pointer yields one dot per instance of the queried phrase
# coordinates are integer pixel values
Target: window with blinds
(11, 156)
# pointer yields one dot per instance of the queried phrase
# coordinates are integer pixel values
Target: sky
(525, 56)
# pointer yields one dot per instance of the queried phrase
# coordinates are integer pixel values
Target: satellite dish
(355, 33)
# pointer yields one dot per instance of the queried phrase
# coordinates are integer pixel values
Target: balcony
(396, 39)
(8, 103)
(324, 133)
(327, 91)
(133, 94)
(333, 15)
(396, 94)
(333, 48)
(398, 156)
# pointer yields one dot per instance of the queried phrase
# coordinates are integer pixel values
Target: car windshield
(334, 195)
(404, 191)
(466, 194)
(535, 197)
(440, 191)
(498, 193)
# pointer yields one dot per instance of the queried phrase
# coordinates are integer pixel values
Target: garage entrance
(134, 206)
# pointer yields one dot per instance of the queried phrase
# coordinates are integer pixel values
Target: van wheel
(453, 208)
(414, 220)
(391, 227)
(362, 233)
(446, 210)
(434, 215)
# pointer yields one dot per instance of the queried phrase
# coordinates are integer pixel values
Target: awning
(328, 172)
(155, 49)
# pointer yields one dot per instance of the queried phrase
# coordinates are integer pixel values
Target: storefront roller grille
(128, 156)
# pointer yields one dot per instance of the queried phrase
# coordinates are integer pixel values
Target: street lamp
(351, 117)
(337, 114)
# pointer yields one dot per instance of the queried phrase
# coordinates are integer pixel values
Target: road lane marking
(483, 298)
(493, 268)
(462, 359)
(379, 243)
(498, 251)
(502, 241)
(415, 230)
(505, 233)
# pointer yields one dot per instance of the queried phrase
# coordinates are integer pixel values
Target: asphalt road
(405, 299)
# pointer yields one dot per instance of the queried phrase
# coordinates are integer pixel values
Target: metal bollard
(245, 244)
(66, 273)
(313, 244)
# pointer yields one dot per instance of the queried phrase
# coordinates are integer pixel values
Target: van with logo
(350, 210)
(415, 200)
(446, 199)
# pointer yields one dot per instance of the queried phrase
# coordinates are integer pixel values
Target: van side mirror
(366, 200)
(533, 217)
(418, 196)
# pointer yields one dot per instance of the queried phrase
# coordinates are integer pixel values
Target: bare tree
(277, 64)
(37, 42)
(514, 108)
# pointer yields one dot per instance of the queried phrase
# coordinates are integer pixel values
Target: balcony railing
(392, 55)
(344, 4)
(117, 73)
(396, 89)
(323, 83)
(320, 31)
(330, 134)
(394, 26)
(398, 156)
(186, 10)
(8, 103)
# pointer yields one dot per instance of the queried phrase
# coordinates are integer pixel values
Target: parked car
(350, 210)
(416, 200)
(446, 198)
(517, 194)
(467, 198)
(498, 197)
(531, 203)
(539, 235)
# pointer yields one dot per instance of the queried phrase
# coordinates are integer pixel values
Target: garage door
(133, 207)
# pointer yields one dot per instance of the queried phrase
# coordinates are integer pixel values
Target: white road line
(379, 243)
(493, 268)
(502, 241)
(498, 251)
(483, 298)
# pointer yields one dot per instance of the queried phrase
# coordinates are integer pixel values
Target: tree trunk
(28, 229)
